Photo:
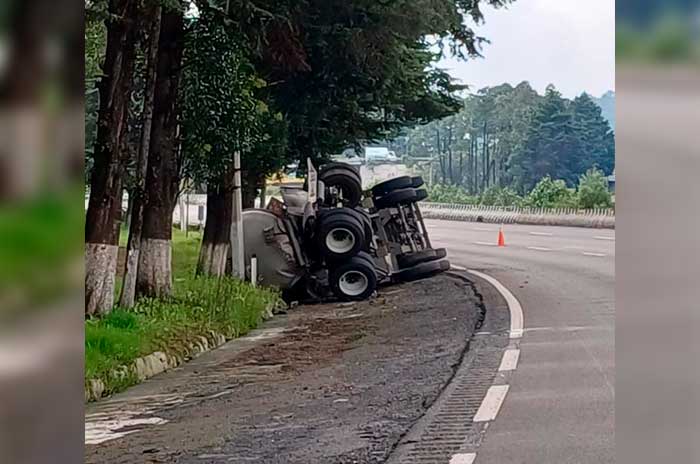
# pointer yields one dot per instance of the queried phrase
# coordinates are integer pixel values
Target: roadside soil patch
(341, 384)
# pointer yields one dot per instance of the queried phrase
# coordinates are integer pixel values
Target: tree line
(507, 136)
(174, 88)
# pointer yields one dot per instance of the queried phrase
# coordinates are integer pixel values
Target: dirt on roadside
(342, 384)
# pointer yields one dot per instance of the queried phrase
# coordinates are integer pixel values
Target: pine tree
(595, 137)
(550, 146)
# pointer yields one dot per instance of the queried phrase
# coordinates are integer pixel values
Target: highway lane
(560, 406)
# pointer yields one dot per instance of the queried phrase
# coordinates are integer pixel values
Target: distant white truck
(368, 155)
(380, 155)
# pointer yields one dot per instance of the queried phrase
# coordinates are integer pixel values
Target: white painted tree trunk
(212, 259)
(100, 271)
(155, 270)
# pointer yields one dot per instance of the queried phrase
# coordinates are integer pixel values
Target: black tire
(347, 183)
(336, 165)
(422, 270)
(367, 257)
(417, 181)
(421, 194)
(367, 221)
(396, 197)
(340, 235)
(391, 185)
(353, 280)
(407, 260)
(358, 213)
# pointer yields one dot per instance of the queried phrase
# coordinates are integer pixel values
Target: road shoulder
(326, 383)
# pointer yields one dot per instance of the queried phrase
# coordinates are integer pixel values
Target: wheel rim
(340, 240)
(353, 283)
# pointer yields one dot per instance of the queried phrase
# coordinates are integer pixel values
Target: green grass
(199, 305)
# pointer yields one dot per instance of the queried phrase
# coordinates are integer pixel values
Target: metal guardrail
(603, 218)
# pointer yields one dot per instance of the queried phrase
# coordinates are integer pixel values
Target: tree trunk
(136, 199)
(449, 154)
(460, 177)
(104, 207)
(216, 241)
(163, 174)
(485, 142)
(440, 157)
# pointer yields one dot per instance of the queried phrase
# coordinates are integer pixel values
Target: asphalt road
(560, 407)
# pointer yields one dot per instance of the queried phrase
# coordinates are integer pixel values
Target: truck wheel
(341, 235)
(342, 166)
(354, 280)
(417, 181)
(390, 185)
(422, 270)
(359, 214)
(367, 257)
(407, 260)
(421, 194)
(396, 197)
(367, 221)
(347, 183)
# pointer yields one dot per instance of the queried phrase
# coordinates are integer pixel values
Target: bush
(550, 193)
(501, 196)
(442, 193)
(593, 190)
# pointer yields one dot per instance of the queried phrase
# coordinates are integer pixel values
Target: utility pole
(237, 244)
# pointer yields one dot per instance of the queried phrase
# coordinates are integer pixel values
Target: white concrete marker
(463, 458)
(491, 404)
(603, 237)
(516, 311)
(539, 248)
(510, 360)
(543, 234)
(485, 243)
(588, 253)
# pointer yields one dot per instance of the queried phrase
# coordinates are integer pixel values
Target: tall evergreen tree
(595, 137)
(550, 144)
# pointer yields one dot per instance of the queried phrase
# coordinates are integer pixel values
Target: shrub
(593, 190)
(500, 196)
(442, 193)
(550, 193)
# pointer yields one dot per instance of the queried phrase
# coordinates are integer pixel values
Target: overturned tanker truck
(331, 240)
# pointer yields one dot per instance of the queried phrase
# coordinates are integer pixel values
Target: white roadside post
(254, 271)
(313, 181)
(237, 245)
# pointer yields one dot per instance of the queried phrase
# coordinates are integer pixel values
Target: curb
(597, 219)
(150, 365)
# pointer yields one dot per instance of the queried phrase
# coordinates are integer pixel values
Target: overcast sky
(569, 43)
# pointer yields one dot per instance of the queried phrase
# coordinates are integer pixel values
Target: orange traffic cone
(501, 238)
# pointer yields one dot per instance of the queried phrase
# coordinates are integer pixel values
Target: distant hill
(607, 104)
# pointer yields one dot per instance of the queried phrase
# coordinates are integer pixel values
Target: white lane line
(483, 229)
(463, 458)
(516, 311)
(542, 234)
(492, 403)
(604, 237)
(510, 360)
(485, 243)
(539, 248)
(588, 253)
